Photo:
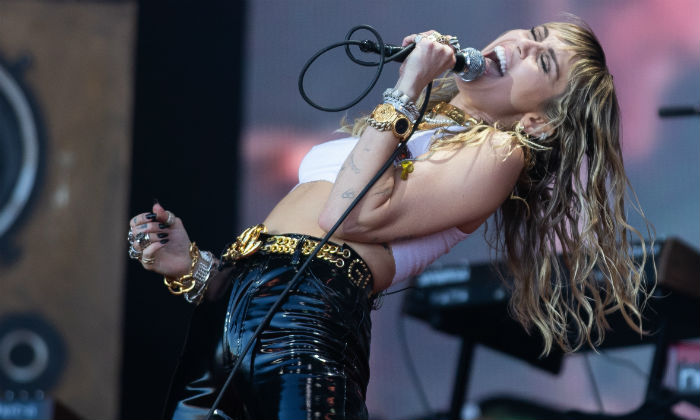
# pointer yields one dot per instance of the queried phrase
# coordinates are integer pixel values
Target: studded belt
(255, 240)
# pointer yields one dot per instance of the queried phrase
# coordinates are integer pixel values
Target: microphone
(470, 63)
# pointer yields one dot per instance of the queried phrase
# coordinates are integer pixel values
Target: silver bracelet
(201, 277)
(403, 102)
(401, 107)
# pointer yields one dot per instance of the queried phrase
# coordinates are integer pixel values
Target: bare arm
(427, 61)
(459, 187)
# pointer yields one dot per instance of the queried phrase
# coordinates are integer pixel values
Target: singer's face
(524, 69)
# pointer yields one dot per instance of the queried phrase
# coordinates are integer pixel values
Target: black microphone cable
(383, 58)
(292, 283)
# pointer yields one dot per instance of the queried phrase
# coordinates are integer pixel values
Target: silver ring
(131, 237)
(144, 241)
(171, 218)
(134, 254)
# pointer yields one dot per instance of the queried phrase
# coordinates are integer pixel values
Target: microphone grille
(475, 65)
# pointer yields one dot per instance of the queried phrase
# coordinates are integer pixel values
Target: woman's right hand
(168, 252)
(428, 60)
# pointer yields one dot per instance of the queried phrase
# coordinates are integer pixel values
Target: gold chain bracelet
(185, 282)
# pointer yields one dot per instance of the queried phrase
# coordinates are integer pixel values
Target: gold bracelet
(385, 117)
(185, 282)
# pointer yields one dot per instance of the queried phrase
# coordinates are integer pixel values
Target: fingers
(149, 227)
(158, 215)
(432, 40)
(431, 36)
(141, 219)
(148, 256)
(163, 215)
(143, 240)
(145, 230)
(432, 56)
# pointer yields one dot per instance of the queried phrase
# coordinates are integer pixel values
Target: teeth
(501, 53)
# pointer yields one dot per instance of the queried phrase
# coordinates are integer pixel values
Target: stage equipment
(65, 126)
(471, 301)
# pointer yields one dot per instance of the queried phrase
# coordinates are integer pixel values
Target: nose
(529, 47)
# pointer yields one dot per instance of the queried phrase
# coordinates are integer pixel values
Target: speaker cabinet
(64, 249)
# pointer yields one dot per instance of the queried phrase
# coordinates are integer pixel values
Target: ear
(535, 124)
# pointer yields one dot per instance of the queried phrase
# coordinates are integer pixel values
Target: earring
(543, 136)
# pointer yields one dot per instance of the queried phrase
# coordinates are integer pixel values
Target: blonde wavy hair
(570, 199)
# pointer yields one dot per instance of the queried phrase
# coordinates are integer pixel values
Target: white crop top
(323, 162)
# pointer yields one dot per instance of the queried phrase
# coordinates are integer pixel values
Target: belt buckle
(246, 244)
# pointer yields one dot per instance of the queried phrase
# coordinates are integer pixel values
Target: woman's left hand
(166, 248)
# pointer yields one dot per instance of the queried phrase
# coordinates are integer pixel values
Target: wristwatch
(385, 117)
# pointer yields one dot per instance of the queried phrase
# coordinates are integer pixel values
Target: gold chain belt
(280, 244)
(249, 242)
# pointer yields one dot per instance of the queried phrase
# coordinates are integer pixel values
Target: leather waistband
(342, 258)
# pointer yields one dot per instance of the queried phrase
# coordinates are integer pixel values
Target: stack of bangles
(397, 114)
(193, 285)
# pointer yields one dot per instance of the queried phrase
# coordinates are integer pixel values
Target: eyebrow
(551, 52)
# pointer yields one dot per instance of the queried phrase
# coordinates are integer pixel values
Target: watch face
(401, 126)
(20, 150)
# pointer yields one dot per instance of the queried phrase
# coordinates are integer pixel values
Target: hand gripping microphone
(470, 63)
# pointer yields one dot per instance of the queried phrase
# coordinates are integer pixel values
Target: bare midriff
(298, 213)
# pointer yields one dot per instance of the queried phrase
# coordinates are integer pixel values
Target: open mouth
(498, 58)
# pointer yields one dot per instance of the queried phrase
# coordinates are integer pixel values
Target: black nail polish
(155, 201)
(151, 216)
(162, 235)
(165, 241)
(163, 226)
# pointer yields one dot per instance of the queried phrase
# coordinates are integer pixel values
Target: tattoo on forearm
(352, 165)
(349, 194)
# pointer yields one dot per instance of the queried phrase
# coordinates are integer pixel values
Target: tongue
(494, 64)
(494, 67)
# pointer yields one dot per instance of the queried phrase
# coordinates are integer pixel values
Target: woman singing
(534, 140)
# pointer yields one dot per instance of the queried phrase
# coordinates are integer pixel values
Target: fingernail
(163, 225)
(155, 201)
(162, 235)
(151, 216)
(165, 241)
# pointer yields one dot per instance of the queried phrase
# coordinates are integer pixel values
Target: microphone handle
(402, 52)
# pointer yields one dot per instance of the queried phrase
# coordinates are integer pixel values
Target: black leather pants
(311, 362)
